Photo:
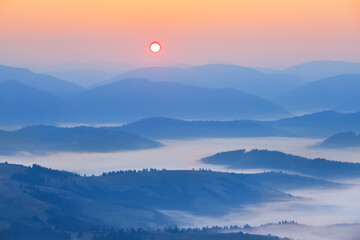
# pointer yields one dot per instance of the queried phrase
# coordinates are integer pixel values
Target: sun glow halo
(155, 47)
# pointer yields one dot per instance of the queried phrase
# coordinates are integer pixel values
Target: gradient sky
(266, 33)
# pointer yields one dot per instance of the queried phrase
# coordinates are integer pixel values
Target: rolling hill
(341, 140)
(321, 124)
(21, 104)
(46, 139)
(275, 160)
(83, 77)
(133, 99)
(326, 94)
(129, 100)
(160, 128)
(66, 201)
(315, 70)
(244, 79)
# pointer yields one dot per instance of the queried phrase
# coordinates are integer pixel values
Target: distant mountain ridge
(320, 124)
(136, 98)
(275, 160)
(41, 82)
(335, 93)
(244, 79)
(49, 139)
(22, 104)
(161, 127)
(126, 100)
(129, 100)
(316, 70)
(84, 77)
(341, 140)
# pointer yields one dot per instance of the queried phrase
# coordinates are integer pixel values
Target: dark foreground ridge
(45, 198)
(22, 232)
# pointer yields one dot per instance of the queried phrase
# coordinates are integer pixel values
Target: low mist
(179, 154)
(319, 214)
(318, 211)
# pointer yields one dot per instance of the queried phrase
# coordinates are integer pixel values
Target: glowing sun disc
(155, 47)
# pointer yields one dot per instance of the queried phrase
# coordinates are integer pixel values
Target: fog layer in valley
(313, 207)
(319, 208)
(179, 154)
(320, 214)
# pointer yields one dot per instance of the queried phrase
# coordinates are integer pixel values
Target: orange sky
(246, 32)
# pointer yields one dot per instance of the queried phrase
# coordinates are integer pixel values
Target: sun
(155, 47)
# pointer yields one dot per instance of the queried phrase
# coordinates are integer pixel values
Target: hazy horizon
(121, 67)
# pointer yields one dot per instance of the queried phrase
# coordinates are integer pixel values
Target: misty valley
(214, 152)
